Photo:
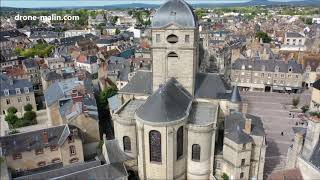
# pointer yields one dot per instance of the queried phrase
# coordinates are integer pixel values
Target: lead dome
(175, 12)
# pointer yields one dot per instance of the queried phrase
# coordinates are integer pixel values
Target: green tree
(12, 119)
(30, 116)
(114, 19)
(264, 36)
(107, 93)
(28, 107)
(12, 110)
(225, 176)
(118, 31)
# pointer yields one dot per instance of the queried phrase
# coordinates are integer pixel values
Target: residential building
(88, 63)
(16, 93)
(311, 70)
(32, 151)
(72, 102)
(293, 41)
(315, 97)
(270, 75)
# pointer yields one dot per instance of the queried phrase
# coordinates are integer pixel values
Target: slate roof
(316, 84)
(169, 103)
(203, 113)
(110, 172)
(60, 171)
(30, 63)
(237, 135)
(315, 157)
(140, 83)
(11, 33)
(114, 152)
(114, 102)
(235, 95)
(34, 139)
(7, 83)
(175, 12)
(267, 65)
(51, 75)
(235, 122)
(294, 35)
(210, 86)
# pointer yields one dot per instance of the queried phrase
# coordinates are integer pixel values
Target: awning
(277, 88)
(288, 88)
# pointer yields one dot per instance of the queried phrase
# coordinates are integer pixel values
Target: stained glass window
(196, 152)
(155, 146)
(126, 144)
(180, 142)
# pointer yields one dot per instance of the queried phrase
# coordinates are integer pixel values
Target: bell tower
(175, 44)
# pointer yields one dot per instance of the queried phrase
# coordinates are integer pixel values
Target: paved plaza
(274, 112)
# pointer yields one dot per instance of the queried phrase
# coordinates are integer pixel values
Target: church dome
(175, 12)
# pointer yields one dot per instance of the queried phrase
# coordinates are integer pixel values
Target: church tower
(175, 45)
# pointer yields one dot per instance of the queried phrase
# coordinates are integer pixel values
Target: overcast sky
(65, 3)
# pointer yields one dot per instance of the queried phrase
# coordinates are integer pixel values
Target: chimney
(247, 126)
(45, 137)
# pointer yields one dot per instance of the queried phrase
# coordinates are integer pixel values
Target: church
(179, 123)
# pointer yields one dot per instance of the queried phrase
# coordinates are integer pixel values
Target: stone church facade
(178, 123)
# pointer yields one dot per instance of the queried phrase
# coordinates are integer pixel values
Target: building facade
(28, 151)
(16, 93)
(267, 75)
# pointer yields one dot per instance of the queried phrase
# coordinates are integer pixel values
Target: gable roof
(27, 141)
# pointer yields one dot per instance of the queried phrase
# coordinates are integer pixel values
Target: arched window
(180, 142)
(126, 144)
(196, 152)
(173, 54)
(155, 146)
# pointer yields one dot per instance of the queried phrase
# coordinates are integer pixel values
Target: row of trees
(41, 49)
(29, 117)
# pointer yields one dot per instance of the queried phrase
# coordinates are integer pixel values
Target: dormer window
(308, 68)
(290, 69)
(263, 68)
(6, 92)
(318, 69)
(26, 90)
(276, 69)
(18, 91)
(243, 67)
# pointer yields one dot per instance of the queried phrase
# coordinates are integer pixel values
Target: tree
(305, 108)
(264, 36)
(107, 93)
(12, 119)
(28, 107)
(12, 110)
(30, 116)
(114, 19)
(295, 101)
(118, 31)
(225, 176)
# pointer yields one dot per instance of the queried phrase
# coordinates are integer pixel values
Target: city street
(272, 108)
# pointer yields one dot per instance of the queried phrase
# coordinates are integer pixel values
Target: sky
(66, 3)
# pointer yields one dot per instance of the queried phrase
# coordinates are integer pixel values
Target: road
(274, 112)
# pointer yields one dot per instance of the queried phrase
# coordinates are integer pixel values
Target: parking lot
(273, 108)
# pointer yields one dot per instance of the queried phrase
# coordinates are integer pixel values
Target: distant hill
(196, 5)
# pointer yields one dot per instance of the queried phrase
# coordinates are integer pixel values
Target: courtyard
(273, 108)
